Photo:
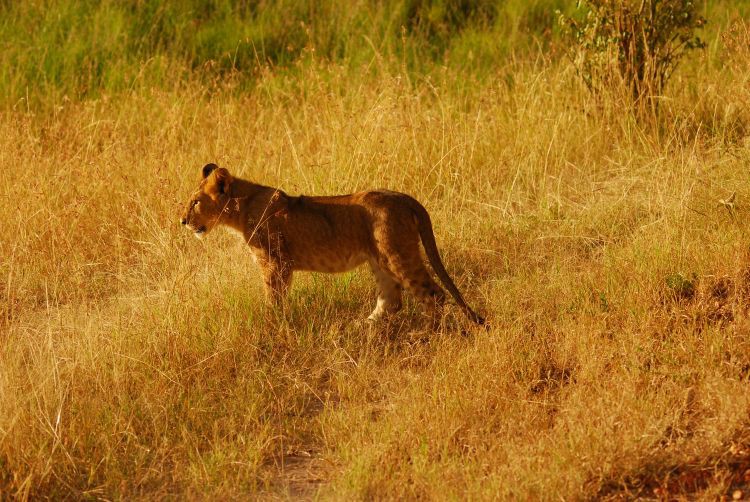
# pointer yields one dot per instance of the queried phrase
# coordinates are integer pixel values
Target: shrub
(633, 43)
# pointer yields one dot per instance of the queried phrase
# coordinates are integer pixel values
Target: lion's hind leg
(415, 278)
(398, 253)
(410, 272)
(389, 293)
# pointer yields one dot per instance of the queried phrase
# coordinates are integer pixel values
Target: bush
(633, 43)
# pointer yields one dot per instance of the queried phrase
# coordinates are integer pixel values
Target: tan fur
(328, 234)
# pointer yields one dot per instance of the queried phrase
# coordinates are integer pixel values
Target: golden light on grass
(138, 362)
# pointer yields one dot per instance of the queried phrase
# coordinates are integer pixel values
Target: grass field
(611, 258)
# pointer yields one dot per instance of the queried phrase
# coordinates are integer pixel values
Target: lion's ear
(223, 180)
(219, 182)
(208, 169)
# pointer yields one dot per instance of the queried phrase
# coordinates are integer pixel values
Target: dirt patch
(299, 475)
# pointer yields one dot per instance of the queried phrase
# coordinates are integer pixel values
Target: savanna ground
(611, 257)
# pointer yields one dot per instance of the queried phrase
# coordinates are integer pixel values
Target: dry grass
(137, 362)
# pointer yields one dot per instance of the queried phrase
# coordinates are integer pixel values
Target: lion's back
(337, 233)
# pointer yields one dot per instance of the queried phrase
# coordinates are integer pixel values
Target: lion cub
(328, 234)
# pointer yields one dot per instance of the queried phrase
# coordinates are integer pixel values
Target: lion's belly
(327, 244)
(330, 261)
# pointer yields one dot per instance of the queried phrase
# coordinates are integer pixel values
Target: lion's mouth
(199, 231)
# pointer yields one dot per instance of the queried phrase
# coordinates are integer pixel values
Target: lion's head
(207, 204)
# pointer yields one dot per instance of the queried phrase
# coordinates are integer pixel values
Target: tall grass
(611, 261)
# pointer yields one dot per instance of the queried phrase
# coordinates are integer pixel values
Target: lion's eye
(195, 203)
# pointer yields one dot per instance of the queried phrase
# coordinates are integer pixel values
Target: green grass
(83, 49)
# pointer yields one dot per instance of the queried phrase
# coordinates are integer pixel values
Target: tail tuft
(481, 321)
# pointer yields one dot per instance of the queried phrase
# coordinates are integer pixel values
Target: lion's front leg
(277, 276)
(269, 251)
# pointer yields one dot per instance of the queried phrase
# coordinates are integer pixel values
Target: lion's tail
(424, 224)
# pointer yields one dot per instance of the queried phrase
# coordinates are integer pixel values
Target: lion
(328, 234)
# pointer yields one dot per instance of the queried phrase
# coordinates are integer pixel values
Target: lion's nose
(183, 221)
